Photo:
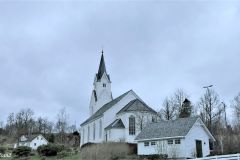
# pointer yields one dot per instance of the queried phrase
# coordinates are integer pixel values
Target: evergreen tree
(186, 109)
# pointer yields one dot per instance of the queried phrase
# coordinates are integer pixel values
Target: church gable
(104, 108)
(136, 105)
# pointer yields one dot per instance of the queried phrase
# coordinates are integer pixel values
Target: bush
(3, 150)
(154, 156)
(22, 151)
(49, 149)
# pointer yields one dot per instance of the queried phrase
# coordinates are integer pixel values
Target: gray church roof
(116, 124)
(172, 128)
(105, 108)
(136, 105)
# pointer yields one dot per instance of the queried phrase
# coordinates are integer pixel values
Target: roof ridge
(105, 107)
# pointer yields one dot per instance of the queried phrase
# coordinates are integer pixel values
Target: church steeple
(101, 93)
(102, 68)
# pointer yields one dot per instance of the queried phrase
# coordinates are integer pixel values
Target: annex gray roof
(164, 129)
(104, 108)
(136, 105)
(116, 124)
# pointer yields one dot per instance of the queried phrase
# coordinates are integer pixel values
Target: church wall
(110, 115)
(116, 135)
(98, 138)
(147, 117)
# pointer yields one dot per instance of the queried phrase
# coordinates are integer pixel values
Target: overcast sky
(50, 51)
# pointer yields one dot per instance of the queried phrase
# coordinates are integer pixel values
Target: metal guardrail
(221, 157)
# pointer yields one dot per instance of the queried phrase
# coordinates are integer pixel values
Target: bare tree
(177, 100)
(210, 107)
(168, 111)
(143, 118)
(62, 124)
(10, 127)
(236, 107)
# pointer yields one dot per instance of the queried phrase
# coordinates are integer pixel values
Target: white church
(128, 118)
(111, 119)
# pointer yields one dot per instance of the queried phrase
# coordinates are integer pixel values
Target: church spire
(102, 67)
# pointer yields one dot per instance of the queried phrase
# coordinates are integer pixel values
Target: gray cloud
(49, 51)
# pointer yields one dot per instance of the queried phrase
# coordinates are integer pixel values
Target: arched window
(132, 125)
(88, 138)
(83, 137)
(100, 128)
(94, 130)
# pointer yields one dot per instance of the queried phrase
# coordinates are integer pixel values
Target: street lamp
(225, 114)
(208, 86)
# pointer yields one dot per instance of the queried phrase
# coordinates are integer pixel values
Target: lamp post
(225, 114)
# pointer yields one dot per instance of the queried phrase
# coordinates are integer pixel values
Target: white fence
(222, 157)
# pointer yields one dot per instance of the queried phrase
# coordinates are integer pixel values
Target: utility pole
(225, 114)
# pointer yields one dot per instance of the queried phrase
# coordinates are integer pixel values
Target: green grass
(72, 157)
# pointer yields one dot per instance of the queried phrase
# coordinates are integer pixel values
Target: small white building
(32, 141)
(181, 138)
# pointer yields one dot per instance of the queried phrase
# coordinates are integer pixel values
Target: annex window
(94, 131)
(170, 141)
(35, 144)
(153, 143)
(104, 85)
(146, 144)
(177, 141)
(132, 127)
(100, 128)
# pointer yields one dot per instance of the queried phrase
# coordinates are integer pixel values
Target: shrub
(154, 156)
(2, 150)
(49, 149)
(22, 151)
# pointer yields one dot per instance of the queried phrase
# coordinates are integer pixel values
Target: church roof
(105, 108)
(102, 69)
(166, 129)
(116, 124)
(136, 105)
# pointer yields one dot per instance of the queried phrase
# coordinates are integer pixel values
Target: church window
(109, 133)
(83, 136)
(132, 125)
(88, 134)
(100, 128)
(94, 130)
(104, 85)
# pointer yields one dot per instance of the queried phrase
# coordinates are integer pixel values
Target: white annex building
(32, 141)
(180, 138)
(114, 119)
